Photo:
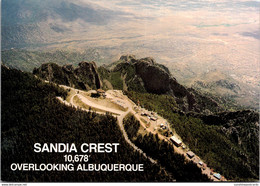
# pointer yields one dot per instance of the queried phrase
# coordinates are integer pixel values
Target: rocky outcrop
(129, 73)
(51, 72)
(85, 76)
(156, 79)
(128, 58)
(87, 72)
(239, 126)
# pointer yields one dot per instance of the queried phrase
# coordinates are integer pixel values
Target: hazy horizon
(191, 38)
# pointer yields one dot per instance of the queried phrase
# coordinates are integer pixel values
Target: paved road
(122, 114)
(120, 123)
(195, 159)
(120, 118)
(97, 106)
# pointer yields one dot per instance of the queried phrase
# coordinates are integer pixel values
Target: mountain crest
(128, 74)
(128, 58)
(85, 76)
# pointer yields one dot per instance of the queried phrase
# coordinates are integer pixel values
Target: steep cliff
(129, 74)
(85, 76)
(145, 75)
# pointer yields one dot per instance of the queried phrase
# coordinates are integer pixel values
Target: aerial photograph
(130, 91)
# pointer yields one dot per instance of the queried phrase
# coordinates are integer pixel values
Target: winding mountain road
(120, 123)
(120, 117)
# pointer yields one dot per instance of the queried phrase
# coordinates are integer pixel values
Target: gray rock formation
(85, 76)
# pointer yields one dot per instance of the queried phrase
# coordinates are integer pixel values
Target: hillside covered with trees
(225, 137)
(164, 153)
(229, 141)
(31, 113)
